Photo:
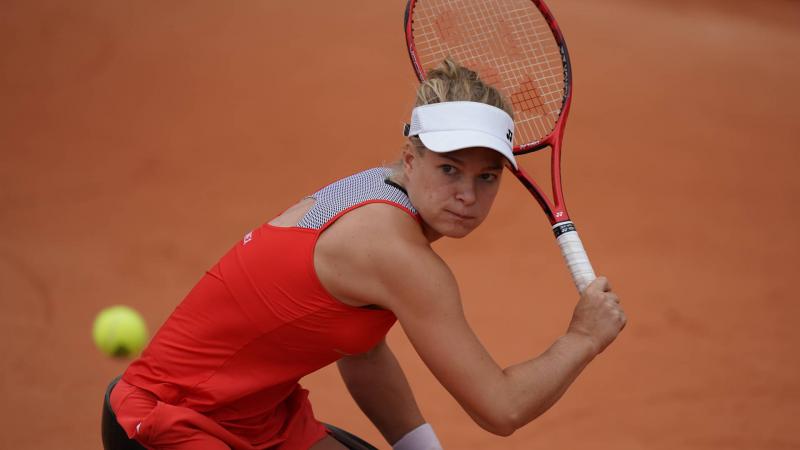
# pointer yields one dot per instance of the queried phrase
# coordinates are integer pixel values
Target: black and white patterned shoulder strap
(366, 186)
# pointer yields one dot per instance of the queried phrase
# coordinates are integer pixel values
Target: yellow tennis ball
(120, 332)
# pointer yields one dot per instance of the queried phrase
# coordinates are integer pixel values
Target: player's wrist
(582, 343)
(420, 438)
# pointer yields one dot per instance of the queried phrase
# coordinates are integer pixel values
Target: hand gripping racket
(517, 47)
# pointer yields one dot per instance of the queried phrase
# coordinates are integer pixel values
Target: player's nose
(465, 192)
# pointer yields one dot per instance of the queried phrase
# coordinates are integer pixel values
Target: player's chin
(458, 229)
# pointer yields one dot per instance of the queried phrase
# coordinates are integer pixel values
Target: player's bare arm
(377, 384)
(429, 309)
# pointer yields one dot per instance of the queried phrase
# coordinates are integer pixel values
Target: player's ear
(408, 156)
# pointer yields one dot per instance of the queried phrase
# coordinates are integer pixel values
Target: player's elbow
(499, 422)
(504, 418)
(502, 428)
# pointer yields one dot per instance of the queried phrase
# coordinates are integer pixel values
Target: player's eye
(447, 169)
(489, 177)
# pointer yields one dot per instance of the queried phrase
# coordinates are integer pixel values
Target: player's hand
(598, 315)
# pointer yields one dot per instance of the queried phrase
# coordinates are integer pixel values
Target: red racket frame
(556, 210)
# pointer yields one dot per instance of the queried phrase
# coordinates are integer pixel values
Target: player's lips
(459, 216)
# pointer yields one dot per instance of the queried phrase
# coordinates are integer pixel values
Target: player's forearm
(379, 387)
(535, 385)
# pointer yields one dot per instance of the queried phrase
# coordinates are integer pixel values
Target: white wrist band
(420, 438)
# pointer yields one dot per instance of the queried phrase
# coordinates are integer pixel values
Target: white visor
(449, 126)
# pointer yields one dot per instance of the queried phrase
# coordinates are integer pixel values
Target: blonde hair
(452, 82)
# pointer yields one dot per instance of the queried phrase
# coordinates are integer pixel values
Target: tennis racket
(517, 47)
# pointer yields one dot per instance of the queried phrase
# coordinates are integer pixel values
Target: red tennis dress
(223, 370)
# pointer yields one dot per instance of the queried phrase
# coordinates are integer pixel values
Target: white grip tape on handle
(574, 254)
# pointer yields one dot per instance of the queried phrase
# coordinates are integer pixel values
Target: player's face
(454, 191)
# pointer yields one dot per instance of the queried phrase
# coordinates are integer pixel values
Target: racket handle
(574, 254)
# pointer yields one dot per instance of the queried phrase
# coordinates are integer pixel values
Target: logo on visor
(510, 135)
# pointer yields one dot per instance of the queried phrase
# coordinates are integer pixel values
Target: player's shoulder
(382, 237)
(385, 221)
(400, 259)
(376, 254)
(397, 237)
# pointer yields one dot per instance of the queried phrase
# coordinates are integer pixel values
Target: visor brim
(450, 141)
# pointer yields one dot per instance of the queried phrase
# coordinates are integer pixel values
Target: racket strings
(511, 47)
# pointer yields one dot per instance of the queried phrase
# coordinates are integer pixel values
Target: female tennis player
(325, 281)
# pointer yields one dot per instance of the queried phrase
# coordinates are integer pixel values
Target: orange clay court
(139, 140)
